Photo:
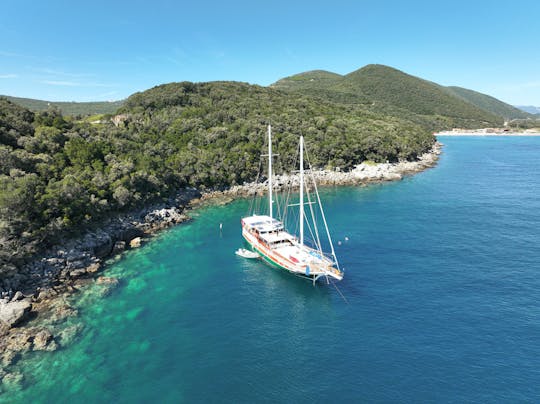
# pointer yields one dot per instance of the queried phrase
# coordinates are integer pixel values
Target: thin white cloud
(61, 83)
(67, 83)
(60, 73)
(9, 76)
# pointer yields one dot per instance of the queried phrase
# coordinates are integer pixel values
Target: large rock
(42, 340)
(135, 243)
(77, 273)
(13, 312)
(18, 296)
(20, 340)
(103, 246)
(119, 247)
(92, 268)
(45, 294)
(130, 233)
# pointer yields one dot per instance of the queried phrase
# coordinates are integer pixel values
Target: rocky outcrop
(107, 284)
(106, 280)
(136, 242)
(364, 173)
(13, 381)
(119, 247)
(12, 313)
(43, 341)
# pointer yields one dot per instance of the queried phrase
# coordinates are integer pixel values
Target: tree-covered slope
(58, 175)
(315, 79)
(396, 93)
(391, 86)
(488, 103)
(68, 108)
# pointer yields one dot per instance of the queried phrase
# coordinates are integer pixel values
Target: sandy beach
(494, 134)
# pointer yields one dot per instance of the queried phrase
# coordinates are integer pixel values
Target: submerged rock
(107, 280)
(8, 358)
(108, 284)
(13, 381)
(61, 311)
(68, 334)
(43, 341)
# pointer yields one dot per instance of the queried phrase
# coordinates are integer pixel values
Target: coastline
(493, 134)
(362, 174)
(35, 313)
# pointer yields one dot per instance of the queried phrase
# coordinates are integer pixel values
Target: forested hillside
(489, 103)
(383, 88)
(68, 108)
(58, 175)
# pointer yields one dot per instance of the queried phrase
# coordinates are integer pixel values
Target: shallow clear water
(442, 283)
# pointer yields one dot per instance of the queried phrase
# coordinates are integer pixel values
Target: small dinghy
(242, 252)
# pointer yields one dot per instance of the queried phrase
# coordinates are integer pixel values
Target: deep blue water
(442, 283)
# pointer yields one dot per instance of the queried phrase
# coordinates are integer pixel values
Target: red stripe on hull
(277, 259)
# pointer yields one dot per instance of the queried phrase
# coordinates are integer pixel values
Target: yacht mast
(301, 190)
(270, 171)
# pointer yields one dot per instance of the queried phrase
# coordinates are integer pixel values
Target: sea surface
(441, 301)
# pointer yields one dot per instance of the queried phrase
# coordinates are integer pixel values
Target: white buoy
(346, 238)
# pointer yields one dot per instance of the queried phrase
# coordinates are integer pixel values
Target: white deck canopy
(263, 223)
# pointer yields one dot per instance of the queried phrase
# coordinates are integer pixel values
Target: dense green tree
(58, 175)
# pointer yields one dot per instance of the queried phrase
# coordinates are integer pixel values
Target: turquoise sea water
(442, 282)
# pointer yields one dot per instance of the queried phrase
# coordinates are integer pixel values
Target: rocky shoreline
(35, 309)
(362, 174)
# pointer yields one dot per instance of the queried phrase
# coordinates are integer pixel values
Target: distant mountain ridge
(529, 109)
(394, 89)
(68, 108)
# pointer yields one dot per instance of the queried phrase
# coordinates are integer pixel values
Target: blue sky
(106, 50)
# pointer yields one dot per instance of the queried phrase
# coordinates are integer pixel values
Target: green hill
(315, 79)
(397, 93)
(322, 84)
(68, 108)
(490, 104)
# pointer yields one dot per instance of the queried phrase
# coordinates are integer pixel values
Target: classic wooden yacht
(267, 236)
